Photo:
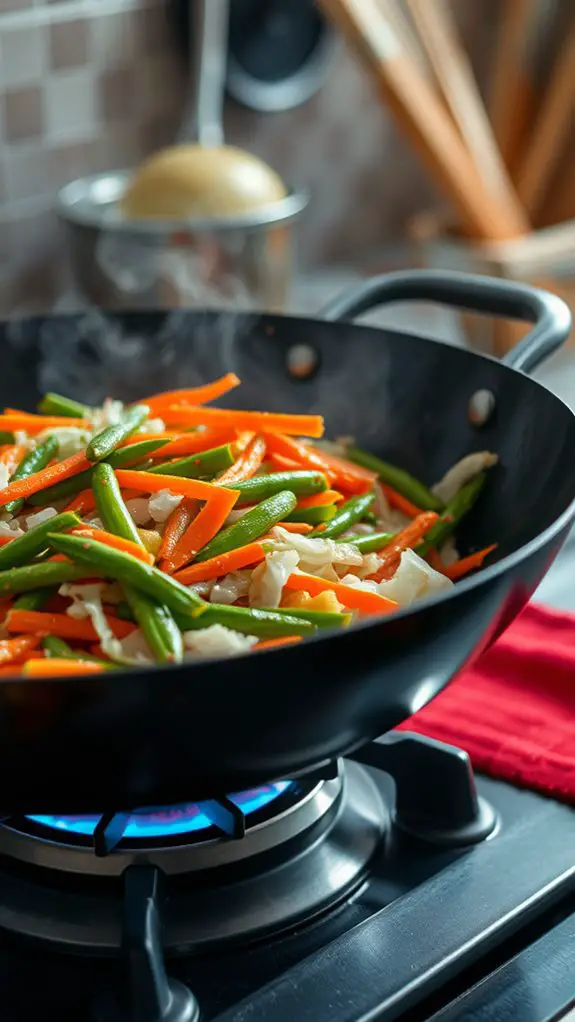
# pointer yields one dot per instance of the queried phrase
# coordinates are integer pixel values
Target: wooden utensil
(512, 94)
(438, 35)
(420, 113)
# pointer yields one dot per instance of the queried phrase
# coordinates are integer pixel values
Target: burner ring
(198, 916)
(22, 841)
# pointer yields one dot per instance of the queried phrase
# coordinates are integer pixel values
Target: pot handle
(487, 295)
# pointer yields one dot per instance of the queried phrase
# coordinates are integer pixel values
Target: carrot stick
(287, 464)
(12, 455)
(215, 567)
(176, 525)
(434, 561)
(298, 454)
(321, 499)
(136, 438)
(12, 650)
(298, 528)
(11, 670)
(466, 564)
(39, 622)
(117, 542)
(54, 667)
(147, 482)
(22, 488)
(408, 537)
(348, 476)
(355, 599)
(82, 503)
(270, 422)
(246, 465)
(183, 444)
(4, 539)
(287, 640)
(400, 502)
(204, 527)
(191, 396)
(15, 420)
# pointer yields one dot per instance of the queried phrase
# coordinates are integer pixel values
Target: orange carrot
(193, 395)
(176, 525)
(136, 438)
(434, 561)
(12, 455)
(285, 464)
(204, 527)
(298, 528)
(347, 476)
(127, 546)
(13, 650)
(297, 453)
(321, 499)
(183, 444)
(4, 539)
(39, 622)
(65, 469)
(15, 420)
(12, 670)
(247, 464)
(56, 667)
(82, 503)
(355, 599)
(243, 438)
(148, 482)
(270, 422)
(397, 500)
(466, 564)
(413, 533)
(243, 557)
(287, 640)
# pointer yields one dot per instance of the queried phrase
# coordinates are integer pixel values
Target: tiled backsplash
(91, 85)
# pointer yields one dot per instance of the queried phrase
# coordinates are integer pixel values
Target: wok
(165, 735)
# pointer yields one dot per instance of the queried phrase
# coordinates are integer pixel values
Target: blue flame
(173, 821)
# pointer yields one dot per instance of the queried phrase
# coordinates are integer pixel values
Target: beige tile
(117, 94)
(23, 113)
(29, 171)
(70, 107)
(112, 39)
(68, 44)
(76, 159)
(22, 55)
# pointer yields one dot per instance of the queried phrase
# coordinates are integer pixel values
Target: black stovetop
(468, 934)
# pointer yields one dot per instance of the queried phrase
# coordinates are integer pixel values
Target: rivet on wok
(302, 361)
(481, 407)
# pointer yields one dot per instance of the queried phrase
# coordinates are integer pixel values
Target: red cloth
(514, 710)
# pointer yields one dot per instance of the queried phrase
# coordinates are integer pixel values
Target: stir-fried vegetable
(166, 531)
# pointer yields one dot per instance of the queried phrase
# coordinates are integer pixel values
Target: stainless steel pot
(240, 263)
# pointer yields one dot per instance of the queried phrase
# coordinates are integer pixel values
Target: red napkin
(514, 710)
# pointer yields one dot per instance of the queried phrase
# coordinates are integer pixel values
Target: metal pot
(241, 263)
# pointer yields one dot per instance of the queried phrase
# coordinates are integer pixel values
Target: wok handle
(487, 295)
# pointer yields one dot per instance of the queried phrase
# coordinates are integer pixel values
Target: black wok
(166, 735)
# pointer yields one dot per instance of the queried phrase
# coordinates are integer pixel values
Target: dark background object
(200, 730)
(279, 51)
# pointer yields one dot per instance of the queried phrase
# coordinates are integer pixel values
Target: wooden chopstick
(512, 99)
(552, 126)
(456, 79)
(420, 112)
(559, 202)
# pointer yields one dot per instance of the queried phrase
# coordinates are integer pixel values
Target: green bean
(369, 544)
(35, 599)
(56, 404)
(35, 576)
(251, 526)
(348, 514)
(406, 484)
(305, 484)
(313, 515)
(110, 504)
(155, 620)
(157, 624)
(369, 518)
(454, 512)
(127, 569)
(207, 463)
(22, 550)
(32, 462)
(6, 437)
(102, 445)
(129, 455)
(319, 618)
(124, 611)
(266, 624)
(56, 647)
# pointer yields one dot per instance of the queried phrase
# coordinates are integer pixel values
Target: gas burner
(234, 869)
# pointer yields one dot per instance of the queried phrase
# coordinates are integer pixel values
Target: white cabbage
(316, 552)
(138, 510)
(70, 439)
(269, 578)
(4, 475)
(234, 516)
(22, 439)
(94, 522)
(463, 472)
(230, 588)
(110, 414)
(161, 505)
(217, 641)
(152, 426)
(389, 519)
(40, 516)
(87, 605)
(11, 528)
(413, 580)
(135, 649)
